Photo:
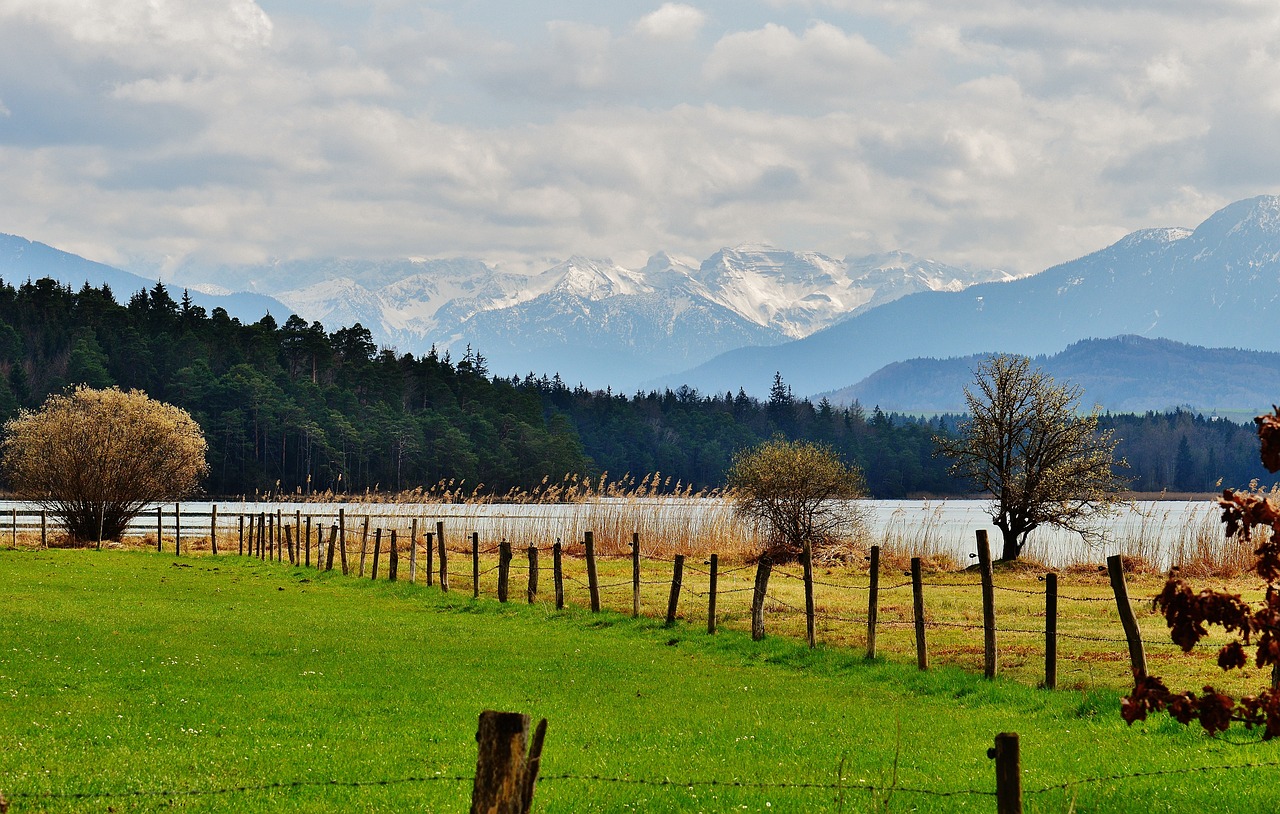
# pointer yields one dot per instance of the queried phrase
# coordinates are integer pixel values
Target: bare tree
(1026, 444)
(95, 458)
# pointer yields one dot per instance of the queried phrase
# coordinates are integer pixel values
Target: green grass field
(155, 683)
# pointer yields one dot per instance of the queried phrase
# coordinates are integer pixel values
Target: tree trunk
(1012, 548)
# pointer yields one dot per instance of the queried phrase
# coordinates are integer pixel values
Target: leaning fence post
(810, 633)
(342, 541)
(504, 569)
(377, 549)
(988, 606)
(635, 574)
(557, 574)
(677, 579)
(505, 776)
(533, 573)
(713, 576)
(429, 542)
(763, 567)
(334, 534)
(1050, 631)
(364, 543)
(475, 565)
(1137, 656)
(873, 601)
(395, 558)
(917, 593)
(444, 557)
(288, 542)
(213, 530)
(1008, 773)
(593, 583)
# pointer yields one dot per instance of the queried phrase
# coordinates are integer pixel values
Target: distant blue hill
(22, 260)
(1125, 374)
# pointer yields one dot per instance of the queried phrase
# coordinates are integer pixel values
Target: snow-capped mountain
(593, 320)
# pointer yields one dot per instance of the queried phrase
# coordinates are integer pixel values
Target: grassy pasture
(132, 671)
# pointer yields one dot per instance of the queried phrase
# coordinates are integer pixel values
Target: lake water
(1155, 530)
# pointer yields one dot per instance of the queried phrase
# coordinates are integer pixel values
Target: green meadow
(133, 681)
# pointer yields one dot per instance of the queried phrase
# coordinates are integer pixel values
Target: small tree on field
(801, 493)
(1026, 445)
(1255, 625)
(95, 458)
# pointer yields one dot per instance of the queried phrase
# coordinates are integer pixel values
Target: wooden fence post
(377, 549)
(677, 579)
(342, 541)
(288, 542)
(444, 557)
(504, 569)
(988, 606)
(278, 535)
(505, 775)
(44, 528)
(334, 534)
(159, 529)
(1050, 631)
(241, 535)
(263, 540)
(917, 593)
(1008, 773)
(413, 552)
(593, 582)
(635, 574)
(763, 567)
(533, 573)
(395, 559)
(475, 565)
(1137, 656)
(177, 529)
(213, 530)
(873, 601)
(809, 630)
(320, 563)
(557, 574)
(306, 548)
(711, 594)
(429, 542)
(364, 543)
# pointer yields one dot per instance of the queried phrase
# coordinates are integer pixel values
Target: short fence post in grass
(429, 542)
(635, 574)
(413, 552)
(711, 594)
(1050, 631)
(377, 549)
(213, 530)
(593, 583)
(504, 569)
(557, 574)
(320, 547)
(475, 565)
(44, 528)
(533, 573)
(297, 530)
(1137, 656)
(335, 533)
(364, 543)
(873, 601)
(288, 541)
(505, 775)
(763, 567)
(809, 631)
(1008, 773)
(241, 535)
(444, 557)
(342, 541)
(177, 529)
(988, 606)
(677, 579)
(159, 529)
(395, 558)
(917, 593)
(263, 539)
(306, 547)
(270, 534)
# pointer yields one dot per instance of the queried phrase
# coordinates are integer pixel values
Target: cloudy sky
(1011, 133)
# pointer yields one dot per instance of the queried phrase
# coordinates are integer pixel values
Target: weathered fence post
(763, 567)
(320, 547)
(557, 574)
(159, 529)
(241, 549)
(1008, 773)
(505, 775)
(342, 541)
(377, 549)
(504, 569)
(306, 548)
(364, 543)
(288, 541)
(873, 601)
(263, 539)
(677, 579)
(335, 533)
(1050, 631)
(395, 558)
(429, 543)
(44, 528)
(213, 530)
(593, 582)
(177, 529)
(444, 557)
(533, 573)
(917, 593)
(475, 565)
(988, 606)
(635, 574)
(711, 594)
(278, 535)
(413, 552)
(809, 626)
(1137, 656)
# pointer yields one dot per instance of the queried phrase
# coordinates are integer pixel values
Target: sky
(162, 134)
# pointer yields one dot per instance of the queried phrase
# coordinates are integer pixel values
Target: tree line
(293, 408)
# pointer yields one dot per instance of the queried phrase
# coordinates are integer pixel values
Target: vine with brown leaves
(1190, 613)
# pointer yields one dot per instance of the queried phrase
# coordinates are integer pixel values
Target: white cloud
(673, 21)
(776, 61)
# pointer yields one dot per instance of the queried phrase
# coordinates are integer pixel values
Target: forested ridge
(295, 408)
